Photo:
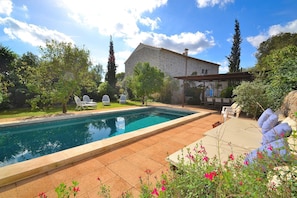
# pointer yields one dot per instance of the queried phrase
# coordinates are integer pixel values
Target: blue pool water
(27, 141)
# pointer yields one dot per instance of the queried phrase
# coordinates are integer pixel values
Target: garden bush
(251, 96)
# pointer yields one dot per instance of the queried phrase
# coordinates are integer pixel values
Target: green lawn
(27, 112)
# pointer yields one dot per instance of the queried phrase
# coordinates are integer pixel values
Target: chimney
(186, 52)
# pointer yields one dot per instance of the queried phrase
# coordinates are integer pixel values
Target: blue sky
(205, 27)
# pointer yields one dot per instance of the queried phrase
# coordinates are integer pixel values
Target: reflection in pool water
(27, 141)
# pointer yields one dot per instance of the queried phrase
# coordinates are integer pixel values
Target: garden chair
(231, 111)
(89, 102)
(87, 99)
(83, 104)
(79, 104)
(122, 99)
(105, 100)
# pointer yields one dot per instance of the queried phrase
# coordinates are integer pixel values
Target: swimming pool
(31, 140)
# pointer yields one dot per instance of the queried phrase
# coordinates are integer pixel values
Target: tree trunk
(64, 108)
(143, 101)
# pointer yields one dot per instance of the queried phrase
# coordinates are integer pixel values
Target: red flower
(42, 195)
(163, 182)
(231, 156)
(210, 175)
(205, 158)
(246, 162)
(240, 183)
(260, 155)
(75, 189)
(163, 188)
(155, 192)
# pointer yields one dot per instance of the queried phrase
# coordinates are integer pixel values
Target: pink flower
(155, 192)
(148, 171)
(240, 183)
(75, 189)
(246, 162)
(202, 150)
(210, 175)
(191, 157)
(163, 182)
(231, 156)
(270, 147)
(205, 158)
(163, 188)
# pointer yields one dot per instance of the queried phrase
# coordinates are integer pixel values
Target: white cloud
(117, 18)
(224, 68)
(6, 7)
(273, 30)
(32, 34)
(257, 40)
(212, 3)
(289, 27)
(121, 19)
(195, 42)
(153, 24)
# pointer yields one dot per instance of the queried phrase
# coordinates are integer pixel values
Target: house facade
(171, 63)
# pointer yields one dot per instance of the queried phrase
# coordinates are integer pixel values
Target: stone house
(171, 63)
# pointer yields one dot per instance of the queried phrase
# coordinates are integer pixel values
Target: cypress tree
(234, 57)
(110, 76)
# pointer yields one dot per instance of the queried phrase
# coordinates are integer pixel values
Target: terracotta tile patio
(120, 169)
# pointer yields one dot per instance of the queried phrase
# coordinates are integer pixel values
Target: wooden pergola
(247, 76)
(236, 76)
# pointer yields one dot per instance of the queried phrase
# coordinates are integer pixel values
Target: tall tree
(24, 65)
(110, 76)
(7, 73)
(276, 42)
(282, 76)
(146, 80)
(234, 57)
(63, 71)
(7, 58)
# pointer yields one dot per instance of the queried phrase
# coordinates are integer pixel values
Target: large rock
(289, 106)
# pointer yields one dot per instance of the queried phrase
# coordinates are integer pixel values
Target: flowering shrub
(205, 177)
(198, 175)
(63, 191)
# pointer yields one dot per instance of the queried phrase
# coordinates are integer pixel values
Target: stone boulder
(289, 106)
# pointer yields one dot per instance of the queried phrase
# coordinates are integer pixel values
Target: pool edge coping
(14, 173)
